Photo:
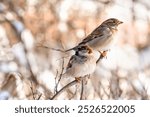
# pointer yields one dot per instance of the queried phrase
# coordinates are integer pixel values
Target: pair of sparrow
(83, 62)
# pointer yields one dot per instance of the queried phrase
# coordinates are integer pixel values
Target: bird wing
(101, 33)
(71, 61)
(75, 60)
(98, 32)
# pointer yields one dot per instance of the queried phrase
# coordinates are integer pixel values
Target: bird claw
(78, 79)
(104, 53)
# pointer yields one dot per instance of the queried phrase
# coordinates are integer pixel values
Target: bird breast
(104, 41)
(81, 69)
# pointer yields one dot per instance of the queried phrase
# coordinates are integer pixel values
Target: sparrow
(82, 63)
(102, 37)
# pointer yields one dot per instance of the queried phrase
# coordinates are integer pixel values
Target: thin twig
(143, 92)
(62, 69)
(82, 89)
(73, 94)
(104, 89)
(55, 89)
(63, 89)
(31, 87)
(39, 96)
(84, 81)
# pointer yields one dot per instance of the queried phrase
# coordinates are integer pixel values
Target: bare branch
(31, 87)
(63, 89)
(39, 96)
(55, 89)
(82, 89)
(61, 73)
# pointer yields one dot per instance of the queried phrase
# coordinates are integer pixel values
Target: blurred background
(28, 70)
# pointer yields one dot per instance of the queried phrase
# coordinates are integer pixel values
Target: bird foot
(104, 53)
(78, 79)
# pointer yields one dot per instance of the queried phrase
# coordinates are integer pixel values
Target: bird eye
(79, 49)
(82, 48)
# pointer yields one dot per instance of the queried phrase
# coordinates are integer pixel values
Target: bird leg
(104, 53)
(78, 79)
(87, 77)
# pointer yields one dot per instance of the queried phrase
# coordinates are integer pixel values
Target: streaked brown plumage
(102, 37)
(82, 63)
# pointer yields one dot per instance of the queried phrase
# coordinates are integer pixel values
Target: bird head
(112, 23)
(84, 50)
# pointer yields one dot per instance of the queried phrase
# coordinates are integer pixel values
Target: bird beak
(120, 22)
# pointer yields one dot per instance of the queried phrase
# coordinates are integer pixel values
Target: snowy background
(29, 71)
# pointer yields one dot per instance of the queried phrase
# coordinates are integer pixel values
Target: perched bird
(82, 63)
(102, 37)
